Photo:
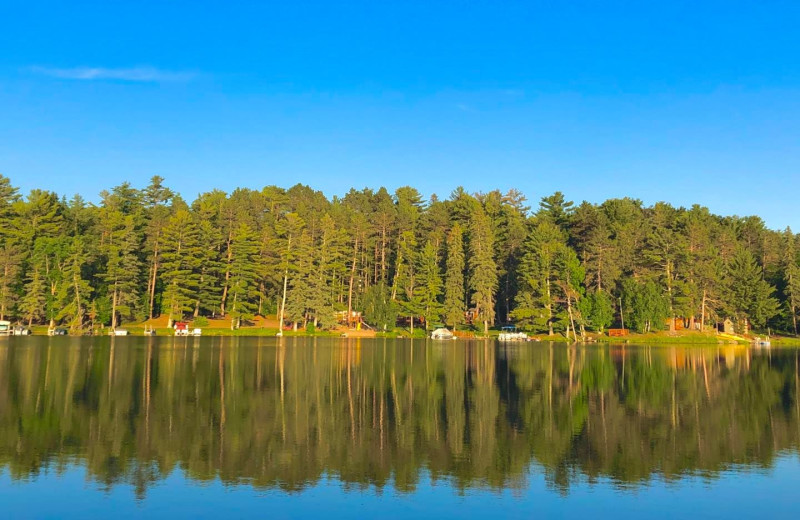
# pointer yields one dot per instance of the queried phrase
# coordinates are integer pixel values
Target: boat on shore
(510, 333)
(19, 330)
(762, 342)
(442, 334)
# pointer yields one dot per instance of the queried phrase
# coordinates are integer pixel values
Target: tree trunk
(571, 318)
(114, 308)
(703, 313)
(227, 272)
(283, 300)
(352, 279)
(78, 310)
(153, 278)
(549, 310)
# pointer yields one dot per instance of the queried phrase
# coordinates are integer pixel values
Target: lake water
(302, 427)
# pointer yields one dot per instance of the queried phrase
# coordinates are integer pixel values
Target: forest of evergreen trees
(553, 267)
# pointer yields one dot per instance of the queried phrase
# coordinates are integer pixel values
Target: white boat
(5, 328)
(442, 334)
(762, 342)
(197, 332)
(510, 333)
(21, 331)
(119, 332)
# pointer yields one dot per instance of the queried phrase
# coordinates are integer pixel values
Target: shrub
(200, 321)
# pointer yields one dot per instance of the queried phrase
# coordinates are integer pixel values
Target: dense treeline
(478, 259)
(286, 414)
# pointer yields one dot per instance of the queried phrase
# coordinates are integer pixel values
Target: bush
(310, 328)
(200, 321)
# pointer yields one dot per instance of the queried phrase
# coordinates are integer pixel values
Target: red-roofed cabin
(181, 328)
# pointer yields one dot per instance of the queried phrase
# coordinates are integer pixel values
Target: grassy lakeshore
(653, 338)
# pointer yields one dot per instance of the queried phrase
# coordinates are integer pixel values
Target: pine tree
(75, 293)
(429, 285)
(34, 297)
(330, 255)
(748, 296)
(289, 229)
(536, 300)
(379, 309)
(405, 277)
(122, 265)
(208, 268)
(155, 197)
(557, 209)
(569, 278)
(482, 267)
(300, 297)
(791, 277)
(454, 304)
(243, 275)
(180, 268)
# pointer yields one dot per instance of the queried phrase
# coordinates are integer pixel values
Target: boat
(19, 330)
(759, 342)
(510, 333)
(442, 333)
(5, 328)
(196, 332)
(119, 332)
(149, 331)
(57, 331)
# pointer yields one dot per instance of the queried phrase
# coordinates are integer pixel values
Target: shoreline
(690, 338)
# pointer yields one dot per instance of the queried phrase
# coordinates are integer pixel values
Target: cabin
(725, 326)
(352, 321)
(678, 323)
(618, 332)
(181, 328)
(405, 321)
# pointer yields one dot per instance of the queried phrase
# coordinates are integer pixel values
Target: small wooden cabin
(726, 326)
(618, 332)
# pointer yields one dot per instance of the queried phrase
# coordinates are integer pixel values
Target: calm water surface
(304, 427)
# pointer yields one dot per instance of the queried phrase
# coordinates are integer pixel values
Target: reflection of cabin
(725, 326)
(618, 332)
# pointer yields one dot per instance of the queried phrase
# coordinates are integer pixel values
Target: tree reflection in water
(285, 413)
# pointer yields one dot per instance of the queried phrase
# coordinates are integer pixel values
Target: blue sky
(688, 102)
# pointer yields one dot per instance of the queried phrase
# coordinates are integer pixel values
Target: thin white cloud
(138, 74)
